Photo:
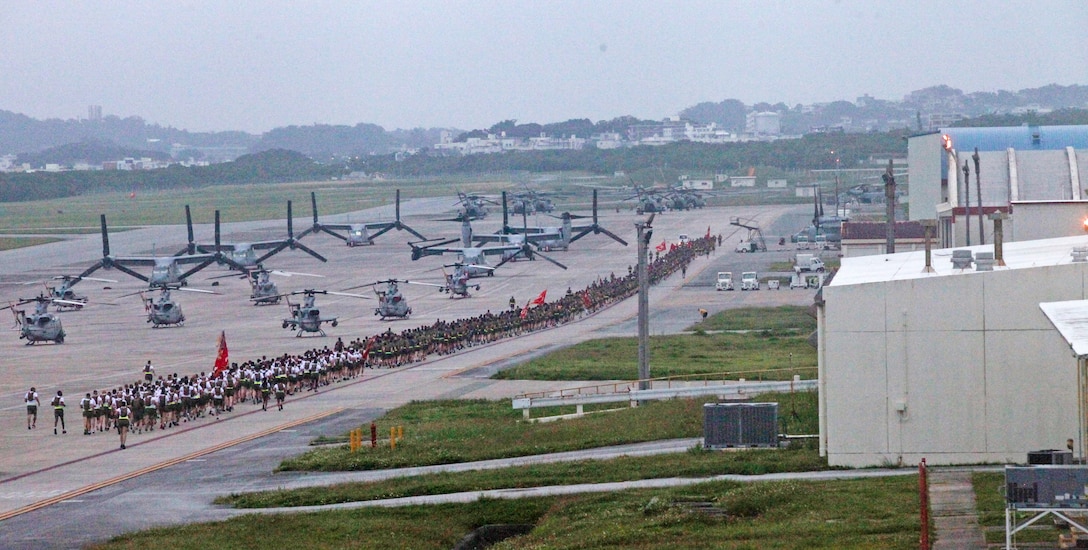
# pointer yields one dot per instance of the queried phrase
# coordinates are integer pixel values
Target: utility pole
(967, 202)
(978, 189)
(645, 232)
(889, 206)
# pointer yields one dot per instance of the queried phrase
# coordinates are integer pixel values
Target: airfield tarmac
(109, 341)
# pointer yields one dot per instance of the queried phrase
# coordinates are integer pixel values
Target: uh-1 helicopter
(306, 317)
(39, 326)
(263, 290)
(457, 282)
(163, 310)
(64, 297)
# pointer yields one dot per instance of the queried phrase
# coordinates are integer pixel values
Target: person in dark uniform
(32, 403)
(58, 412)
(124, 420)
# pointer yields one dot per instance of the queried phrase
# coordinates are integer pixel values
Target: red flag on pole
(539, 300)
(708, 231)
(661, 247)
(585, 300)
(525, 311)
(366, 351)
(221, 357)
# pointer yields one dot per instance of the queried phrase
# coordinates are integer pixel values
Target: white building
(776, 184)
(742, 181)
(763, 123)
(955, 365)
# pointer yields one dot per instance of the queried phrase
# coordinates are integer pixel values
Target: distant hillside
(90, 152)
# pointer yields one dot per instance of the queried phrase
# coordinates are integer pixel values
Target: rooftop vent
(984, 261)
(962, 259)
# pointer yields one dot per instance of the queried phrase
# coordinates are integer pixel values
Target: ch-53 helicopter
(39, 326)
(529, 201)
(473, 207)
(358, 234)
(306, 317)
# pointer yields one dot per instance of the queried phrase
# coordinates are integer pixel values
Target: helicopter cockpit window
(313, 313)
(43, 321)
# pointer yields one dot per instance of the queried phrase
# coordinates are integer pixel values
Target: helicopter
(473, 257)
(263, 289)
(163, 311)
(39, 326)
(473, 207)
(247, 256)
(306, 317)
(358, 234)
(529, 201)
(165, 270)
(64, 297)
(648, 201)
(391, 303)
(457, 282)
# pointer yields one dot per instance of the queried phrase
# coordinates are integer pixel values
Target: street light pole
(967, 202)
(978, 193)
(645, 232)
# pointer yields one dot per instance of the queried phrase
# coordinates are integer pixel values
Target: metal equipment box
(1050, 457)
(740, 425)
(1046, 486)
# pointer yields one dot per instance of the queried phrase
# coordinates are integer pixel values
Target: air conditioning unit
(1046, 486)
(728, 425)
(1050, 457)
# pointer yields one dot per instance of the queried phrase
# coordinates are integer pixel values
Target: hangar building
(1038, 174)
(951, 365)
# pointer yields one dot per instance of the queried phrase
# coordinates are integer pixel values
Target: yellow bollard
(392, 437)
(354, 442)
(400, 432)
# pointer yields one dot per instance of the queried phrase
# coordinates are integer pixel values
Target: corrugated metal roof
(1018, 137)
(1071, 320)
(876, 230)
(909, 265)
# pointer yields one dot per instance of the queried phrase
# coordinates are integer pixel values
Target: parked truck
(808, 262)
(725, 281)
(749, 280)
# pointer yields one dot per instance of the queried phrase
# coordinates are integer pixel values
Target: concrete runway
(72, 477)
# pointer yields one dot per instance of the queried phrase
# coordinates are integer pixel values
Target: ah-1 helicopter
(64, 297)
(306, 317)
(247, 256)
(358, 234)
(39, 326)
(165, 270)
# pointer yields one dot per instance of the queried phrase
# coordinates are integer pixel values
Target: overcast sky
(256, 65)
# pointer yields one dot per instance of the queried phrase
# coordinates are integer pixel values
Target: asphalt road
(171, 477)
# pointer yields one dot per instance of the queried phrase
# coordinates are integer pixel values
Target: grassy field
(445, 432)
(774, 347)
(859, 514)
(443, 437)
(8, 243)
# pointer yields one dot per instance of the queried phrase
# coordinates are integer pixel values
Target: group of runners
(164, 402)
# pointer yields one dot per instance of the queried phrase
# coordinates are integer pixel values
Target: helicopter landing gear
(285, 325)
(334, 323)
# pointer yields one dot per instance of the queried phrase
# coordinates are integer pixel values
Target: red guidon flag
(708, 231)
(539, 300)
(221, 357)
(525, 311)
(661, 247)
(369, 346)
(585, 299)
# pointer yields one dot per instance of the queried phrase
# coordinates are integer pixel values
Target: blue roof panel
(1023, 138)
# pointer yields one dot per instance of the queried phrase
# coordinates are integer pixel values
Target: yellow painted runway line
(161, 465)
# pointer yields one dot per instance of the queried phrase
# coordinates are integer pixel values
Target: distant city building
(94, 112)
(763, 123)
